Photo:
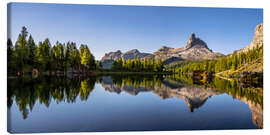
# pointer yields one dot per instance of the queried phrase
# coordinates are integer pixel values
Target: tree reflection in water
(25, 92)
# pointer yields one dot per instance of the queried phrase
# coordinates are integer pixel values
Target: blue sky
(106, 28)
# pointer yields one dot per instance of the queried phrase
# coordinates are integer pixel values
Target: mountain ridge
(257, 39)
(195, 49)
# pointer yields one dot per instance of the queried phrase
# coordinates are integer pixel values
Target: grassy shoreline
(223, 77)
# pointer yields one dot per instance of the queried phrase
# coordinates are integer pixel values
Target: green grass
(255, 66)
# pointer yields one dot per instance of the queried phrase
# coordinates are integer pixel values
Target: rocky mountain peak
(112, 55)
(257, 40)
(195, 49)
(164, 48)
(192, 37)
(193, 41)
(109, 58)
(133, 51)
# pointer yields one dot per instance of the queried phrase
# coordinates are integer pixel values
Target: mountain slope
(253, 67)
(109, 58)
(195, 49)
(131, 54)
(257, 40)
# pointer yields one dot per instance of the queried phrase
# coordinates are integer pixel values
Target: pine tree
(10, 55)
(32, 50)
(21, 49)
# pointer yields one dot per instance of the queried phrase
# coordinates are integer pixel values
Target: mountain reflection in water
(25, 92)
(194, 95)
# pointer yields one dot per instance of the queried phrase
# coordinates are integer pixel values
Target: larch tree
(32, 50)
(22, 52)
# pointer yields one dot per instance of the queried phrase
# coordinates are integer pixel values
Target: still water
(131, 103)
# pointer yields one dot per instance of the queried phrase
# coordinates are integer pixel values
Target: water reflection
(25, 92)
(194, 96)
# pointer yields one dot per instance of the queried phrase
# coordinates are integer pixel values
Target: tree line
(137, 65)
(26, 55)
(230, 62)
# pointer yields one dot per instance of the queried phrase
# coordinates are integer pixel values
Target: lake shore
(140, 73)
(89, 73)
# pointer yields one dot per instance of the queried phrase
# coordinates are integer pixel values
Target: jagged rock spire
(192, 37)
(193, 41)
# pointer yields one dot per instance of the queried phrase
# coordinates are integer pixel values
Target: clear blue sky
(106, 28)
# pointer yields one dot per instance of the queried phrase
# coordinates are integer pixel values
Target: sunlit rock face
(112, 55)
(195, 49)
(131, 54)
(257, 40)
(109, 58)
(193, 41)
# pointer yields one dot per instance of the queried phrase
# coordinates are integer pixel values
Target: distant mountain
(195, 49)
(112, 55)
(109, 58)
(257, 40)
(131, 54)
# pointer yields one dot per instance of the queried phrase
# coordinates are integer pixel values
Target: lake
(131, 103)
